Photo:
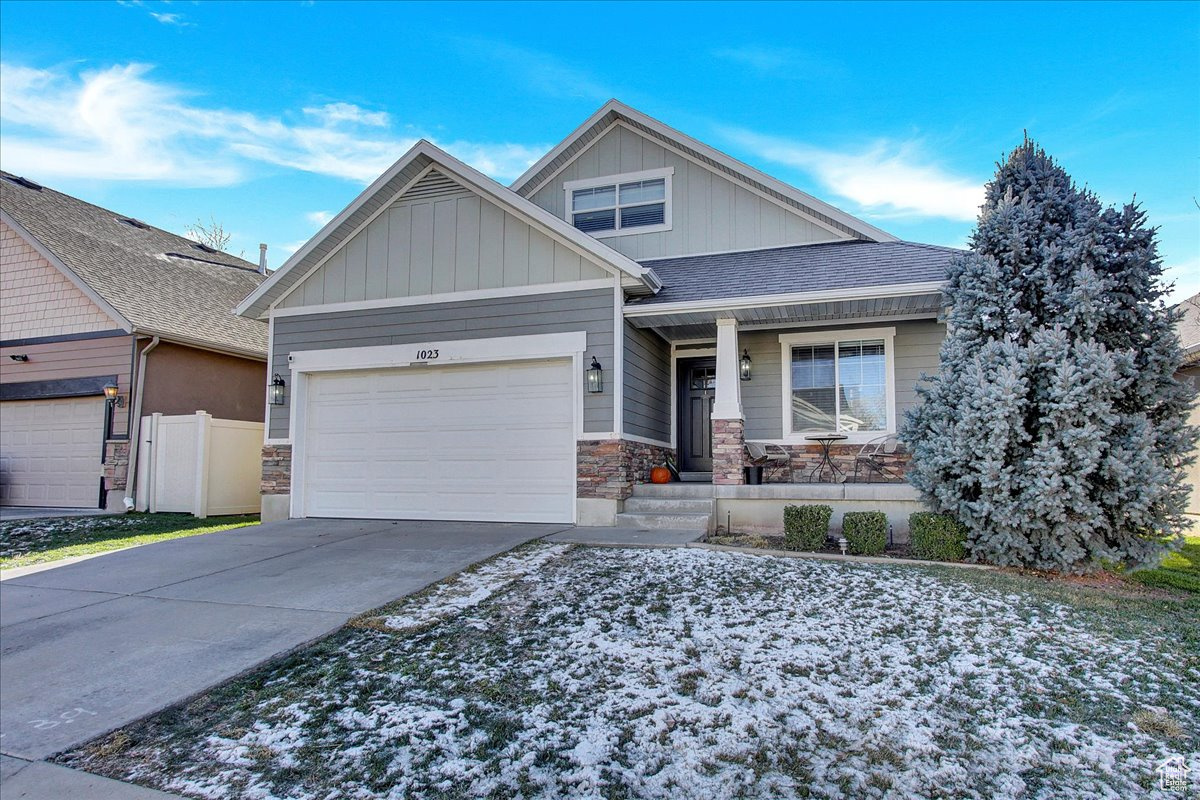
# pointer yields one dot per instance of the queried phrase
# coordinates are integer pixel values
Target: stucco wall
(184, 380)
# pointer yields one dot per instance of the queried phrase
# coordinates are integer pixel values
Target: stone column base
(728, 448)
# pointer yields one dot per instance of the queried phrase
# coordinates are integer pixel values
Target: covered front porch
(812, 390)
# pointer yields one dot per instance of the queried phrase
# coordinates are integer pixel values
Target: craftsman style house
(451, 348)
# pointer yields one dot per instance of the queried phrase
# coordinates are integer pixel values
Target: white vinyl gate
(199, 465)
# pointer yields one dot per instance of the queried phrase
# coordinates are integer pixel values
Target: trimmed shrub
(806, 527)
(866, 532)
(936, 537)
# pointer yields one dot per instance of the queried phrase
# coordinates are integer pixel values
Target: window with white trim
(839, 382)
(637, 202)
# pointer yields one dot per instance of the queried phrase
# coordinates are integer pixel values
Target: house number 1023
(426, 355)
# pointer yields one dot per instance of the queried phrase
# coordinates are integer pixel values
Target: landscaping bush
(866, 532)
(806, 527)
(936, 537)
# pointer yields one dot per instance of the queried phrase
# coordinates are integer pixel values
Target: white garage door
(491, 442)
(50, 452)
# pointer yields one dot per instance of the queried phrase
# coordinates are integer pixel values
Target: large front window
(838, 383)
(634, 203)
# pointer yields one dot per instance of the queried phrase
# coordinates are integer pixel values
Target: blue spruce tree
(1054, 429)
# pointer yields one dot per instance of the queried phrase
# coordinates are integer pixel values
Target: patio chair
(872, 454)
(764, 454)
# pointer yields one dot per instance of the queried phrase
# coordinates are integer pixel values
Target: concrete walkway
(92, 646)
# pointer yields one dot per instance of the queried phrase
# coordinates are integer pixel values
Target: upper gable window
(615, 205)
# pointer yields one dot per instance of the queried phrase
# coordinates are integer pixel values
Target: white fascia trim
(725, 160)
(788, 340)
(70, 274)
(199, 344)
(616, 437)
(446, 297)
(365, 195)
(582, 244)
(383, 208)
(458, 351)
(796, 298)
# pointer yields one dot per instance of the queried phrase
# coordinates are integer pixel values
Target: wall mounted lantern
(595, 377)
(744, 365)
(277, 387)
(112, 396)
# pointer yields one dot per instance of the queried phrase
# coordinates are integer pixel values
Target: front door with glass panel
(697, 381)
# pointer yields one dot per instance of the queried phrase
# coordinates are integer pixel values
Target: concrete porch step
(669, 505)
(647, 521)
(673, 490)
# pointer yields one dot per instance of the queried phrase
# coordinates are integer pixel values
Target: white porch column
(728, 401)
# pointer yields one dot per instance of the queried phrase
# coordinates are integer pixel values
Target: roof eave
(791, 298)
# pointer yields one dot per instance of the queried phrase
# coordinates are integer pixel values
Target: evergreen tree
(1055, 430)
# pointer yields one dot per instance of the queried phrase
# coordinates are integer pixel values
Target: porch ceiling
(704, 323)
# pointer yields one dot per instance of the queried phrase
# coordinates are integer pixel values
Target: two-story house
(451, 348)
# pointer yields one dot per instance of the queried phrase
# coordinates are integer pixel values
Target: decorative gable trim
(58, 264)
(406, 174)
(614, 112)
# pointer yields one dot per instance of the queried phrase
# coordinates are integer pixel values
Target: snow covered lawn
(556, 671)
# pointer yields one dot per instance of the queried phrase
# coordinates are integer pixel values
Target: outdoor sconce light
(110, 394)
(19, 357)
(744, 365)
(595, 377)
(277, 386)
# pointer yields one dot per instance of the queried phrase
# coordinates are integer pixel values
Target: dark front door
(697, 383)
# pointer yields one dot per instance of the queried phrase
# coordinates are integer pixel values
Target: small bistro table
(826, 440)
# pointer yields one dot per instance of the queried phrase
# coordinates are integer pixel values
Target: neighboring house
(90, 298)
(436, 337)
(1189, 370)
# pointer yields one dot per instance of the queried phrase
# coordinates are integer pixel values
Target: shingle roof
(162, 283)
(803, 268)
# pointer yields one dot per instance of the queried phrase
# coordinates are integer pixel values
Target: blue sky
(271, 116)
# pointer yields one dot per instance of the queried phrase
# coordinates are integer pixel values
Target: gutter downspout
(136, 422)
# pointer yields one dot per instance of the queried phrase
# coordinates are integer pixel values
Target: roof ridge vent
(133, 223)
(19, 181)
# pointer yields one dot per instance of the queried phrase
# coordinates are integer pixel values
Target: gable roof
(148, 280)
(388, 187)
(827, 268)
(614, 111)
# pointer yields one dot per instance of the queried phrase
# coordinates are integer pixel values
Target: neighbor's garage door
(488, 442)
(50, 452)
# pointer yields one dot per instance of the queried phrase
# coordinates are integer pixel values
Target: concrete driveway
(92, 646)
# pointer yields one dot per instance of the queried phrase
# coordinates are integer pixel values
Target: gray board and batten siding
(710, 212)
(647, 391)
(440, 237)
(590, 311)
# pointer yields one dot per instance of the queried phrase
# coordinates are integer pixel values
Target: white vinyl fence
(198, 464)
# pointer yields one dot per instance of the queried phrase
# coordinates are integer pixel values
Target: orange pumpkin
(660, 475)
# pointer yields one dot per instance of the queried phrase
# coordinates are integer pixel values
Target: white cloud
(165, 17)
(121, 124)
(780, 62)
(886, 179)
(319, 218)
(333, 113)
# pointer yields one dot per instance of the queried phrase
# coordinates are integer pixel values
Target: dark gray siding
(591, 311)
(916, 344)
(647, 393)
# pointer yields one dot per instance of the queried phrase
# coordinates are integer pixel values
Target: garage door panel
(480, 442)
(50, 451)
